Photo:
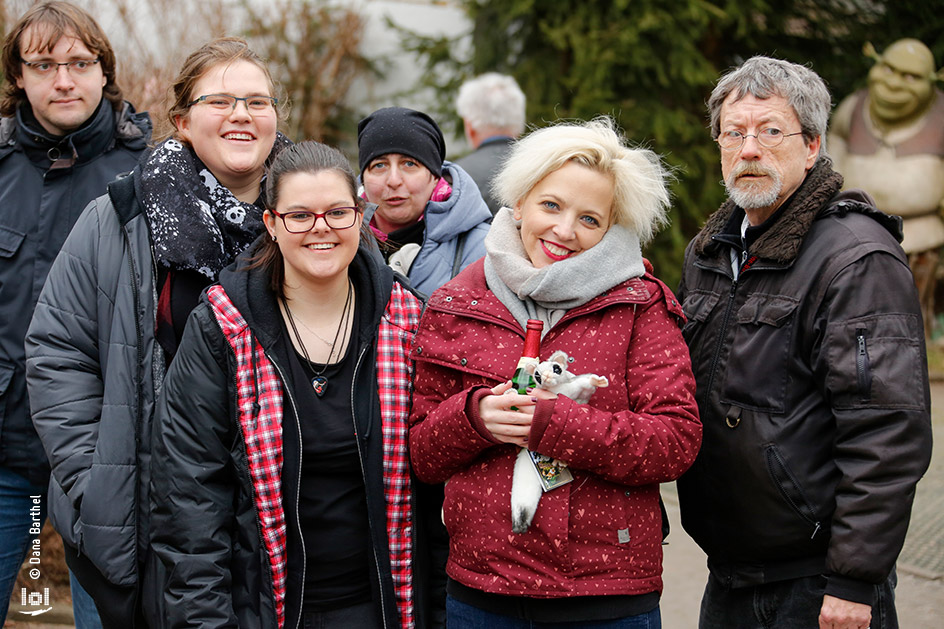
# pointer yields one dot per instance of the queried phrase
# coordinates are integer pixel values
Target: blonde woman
(566, 249)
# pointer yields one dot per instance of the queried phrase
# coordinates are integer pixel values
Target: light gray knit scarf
(549, 292)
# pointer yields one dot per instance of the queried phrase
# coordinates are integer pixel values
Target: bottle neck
(532, 339)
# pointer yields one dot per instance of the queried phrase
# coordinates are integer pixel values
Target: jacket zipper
(805, 510)
(139, 348)
(360, 458)
(863, 369)
(298, 486)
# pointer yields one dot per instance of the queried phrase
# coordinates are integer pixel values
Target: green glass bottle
(523, 380)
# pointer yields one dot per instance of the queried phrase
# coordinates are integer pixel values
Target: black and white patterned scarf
(196, 222)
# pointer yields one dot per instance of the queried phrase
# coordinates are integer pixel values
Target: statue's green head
(901, 83)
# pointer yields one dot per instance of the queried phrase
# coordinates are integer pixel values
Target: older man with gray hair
(492, 109)
(808, 350)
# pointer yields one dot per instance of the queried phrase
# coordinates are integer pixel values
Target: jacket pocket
(790, 489)
(762, 342)
(698, 306)
(10, 241)
(876, 362)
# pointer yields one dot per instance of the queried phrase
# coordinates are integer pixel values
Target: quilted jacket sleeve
(193, 482)
(64, 374)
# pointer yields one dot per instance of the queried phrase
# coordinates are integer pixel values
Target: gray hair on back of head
(492, 100)
(763, 77)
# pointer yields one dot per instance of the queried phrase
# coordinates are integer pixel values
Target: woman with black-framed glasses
(282, 428)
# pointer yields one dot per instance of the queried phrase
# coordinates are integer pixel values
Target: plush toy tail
(525, 492)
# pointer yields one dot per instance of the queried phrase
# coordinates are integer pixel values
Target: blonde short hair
(640, 180)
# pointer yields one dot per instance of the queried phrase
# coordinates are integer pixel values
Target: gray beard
(749, 196)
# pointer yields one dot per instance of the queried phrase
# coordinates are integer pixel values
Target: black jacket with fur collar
(813, 391)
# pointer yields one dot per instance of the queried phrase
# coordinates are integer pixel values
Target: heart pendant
(319, 384)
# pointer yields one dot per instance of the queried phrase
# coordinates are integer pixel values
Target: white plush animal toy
(526, 487)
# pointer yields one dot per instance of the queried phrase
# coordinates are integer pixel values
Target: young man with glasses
(808, 351)
(65, 132)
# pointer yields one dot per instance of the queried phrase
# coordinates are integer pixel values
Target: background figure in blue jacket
(430, 219)
(65, 132)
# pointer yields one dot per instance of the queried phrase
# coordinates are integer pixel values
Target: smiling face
(401, 187)
(321, 255)
(233, 143)
(900, 86)
(760, 179)
(63, 100)
(565, 214)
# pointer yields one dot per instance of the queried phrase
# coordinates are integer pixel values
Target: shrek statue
(888, 139)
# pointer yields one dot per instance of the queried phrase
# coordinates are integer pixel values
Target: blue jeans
(793, 604)
(16, 520)
(459, 615)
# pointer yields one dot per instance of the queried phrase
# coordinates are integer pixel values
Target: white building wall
(403, 71)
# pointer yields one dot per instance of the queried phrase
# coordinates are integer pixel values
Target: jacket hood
(860, 201)
(132, 128)
(248, 289)
(464, 209)
(817, 197)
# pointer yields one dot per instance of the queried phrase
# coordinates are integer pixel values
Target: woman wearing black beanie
(430, 218)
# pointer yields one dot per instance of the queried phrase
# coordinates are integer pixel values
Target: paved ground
(920, 592)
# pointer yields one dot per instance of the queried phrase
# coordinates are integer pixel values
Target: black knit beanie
(403, 131)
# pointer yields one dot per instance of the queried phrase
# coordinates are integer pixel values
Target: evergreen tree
(651, 65)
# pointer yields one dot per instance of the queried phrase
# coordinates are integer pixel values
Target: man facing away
(808, 349)
(65, 132)
(492, 108)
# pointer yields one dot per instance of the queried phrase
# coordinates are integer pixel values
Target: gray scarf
(548, 293)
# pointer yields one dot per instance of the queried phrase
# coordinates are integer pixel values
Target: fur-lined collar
(782, 241)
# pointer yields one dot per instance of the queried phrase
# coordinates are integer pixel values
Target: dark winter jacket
(602, 533)
(225, 498)
(92, 369)
(813, 392)
(39, 203)
(483, 164)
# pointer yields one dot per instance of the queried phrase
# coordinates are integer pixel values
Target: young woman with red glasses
(282, 428)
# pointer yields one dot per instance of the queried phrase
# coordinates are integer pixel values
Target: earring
(274, 239)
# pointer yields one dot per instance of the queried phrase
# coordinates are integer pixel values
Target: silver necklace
(318, 336)
(318, 381)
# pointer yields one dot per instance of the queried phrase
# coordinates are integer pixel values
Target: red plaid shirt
(258, 383)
